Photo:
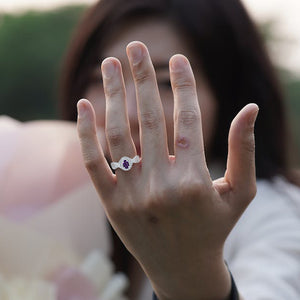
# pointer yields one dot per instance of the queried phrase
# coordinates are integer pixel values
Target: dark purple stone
(126, 164)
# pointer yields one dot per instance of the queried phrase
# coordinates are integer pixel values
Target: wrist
(234, 294)
(210, 280)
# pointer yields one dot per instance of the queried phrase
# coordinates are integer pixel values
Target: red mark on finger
(182, 142)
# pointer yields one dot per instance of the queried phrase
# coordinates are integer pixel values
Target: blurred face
(163, 41)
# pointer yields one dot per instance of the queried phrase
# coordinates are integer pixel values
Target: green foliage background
(31, 50)
(292, 91)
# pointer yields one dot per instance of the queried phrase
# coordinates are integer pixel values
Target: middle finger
(150, 110)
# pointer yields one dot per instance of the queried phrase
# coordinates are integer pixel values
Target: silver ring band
(125, 163)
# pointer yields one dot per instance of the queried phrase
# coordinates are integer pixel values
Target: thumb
(240, 173)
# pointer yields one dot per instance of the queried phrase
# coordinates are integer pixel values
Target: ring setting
(125, 163)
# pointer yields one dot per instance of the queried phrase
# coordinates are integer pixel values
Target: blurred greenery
(31, 49)
(32, 45)
(290, 83)
(292, 92)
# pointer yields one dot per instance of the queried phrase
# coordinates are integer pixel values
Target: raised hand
(167, 211)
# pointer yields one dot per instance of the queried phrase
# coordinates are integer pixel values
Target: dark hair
(232, 57)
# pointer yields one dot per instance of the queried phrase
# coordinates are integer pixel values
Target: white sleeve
(263, 250)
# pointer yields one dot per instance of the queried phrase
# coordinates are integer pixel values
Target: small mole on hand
(152, 219)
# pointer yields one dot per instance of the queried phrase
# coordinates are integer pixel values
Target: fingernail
(179, 63)
(81, 108)
(253, 118)
(135, 53)
(108, 68)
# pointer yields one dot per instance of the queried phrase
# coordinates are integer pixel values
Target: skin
(163, 41)
(167, 210)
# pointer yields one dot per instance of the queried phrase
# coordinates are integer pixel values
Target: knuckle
(142, 76)
(187, 191)
(86, 131)
(159, 195)
(248, 144)
(158, 201)
(184, 85)
(192, 188)
(115, 136)
(188, 117)
(150, 120)
(124, 209)
(189, 187)
(91, 165)
(114, 91)
(85, 135)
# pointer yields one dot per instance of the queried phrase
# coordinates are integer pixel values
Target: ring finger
(117, 124)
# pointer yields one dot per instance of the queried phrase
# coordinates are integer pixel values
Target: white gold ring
(125, 163)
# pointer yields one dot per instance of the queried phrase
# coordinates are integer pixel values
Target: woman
(178, 223)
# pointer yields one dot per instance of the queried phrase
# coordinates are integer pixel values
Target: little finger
(92, 152)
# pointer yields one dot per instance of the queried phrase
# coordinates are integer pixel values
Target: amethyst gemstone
(126, 164)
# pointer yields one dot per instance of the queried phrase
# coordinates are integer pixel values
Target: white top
(263, 250)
